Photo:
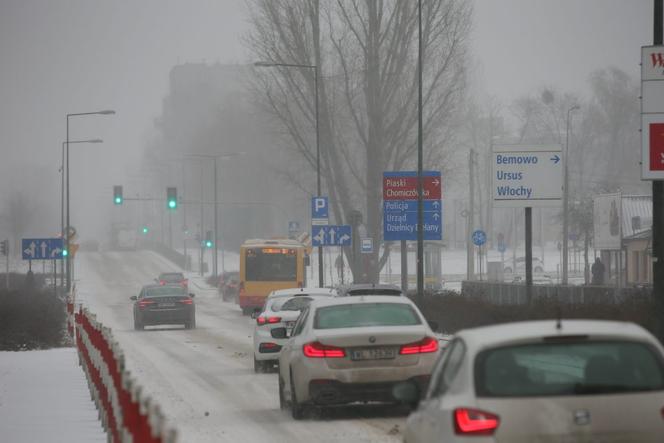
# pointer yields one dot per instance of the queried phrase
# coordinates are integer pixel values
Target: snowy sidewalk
(44, 397)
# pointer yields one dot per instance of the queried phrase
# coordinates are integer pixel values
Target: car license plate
(166, 305)
(373, 354)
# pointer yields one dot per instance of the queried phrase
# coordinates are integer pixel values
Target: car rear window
(293, 304)
(165, 290)
(359, 315)
(573, 368)
(171, 277)
(354, 292)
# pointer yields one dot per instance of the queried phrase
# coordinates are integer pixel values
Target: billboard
(607, 217)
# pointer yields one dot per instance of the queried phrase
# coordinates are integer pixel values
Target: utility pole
(470, 220)
(420, 164)
(658, 207)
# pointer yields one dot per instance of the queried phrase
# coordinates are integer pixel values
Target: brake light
(476, 422)
(260, 320)
(162, 282)
(273, 320)
(426, 345)
(145, 303)
(319, 350)
(187, 301)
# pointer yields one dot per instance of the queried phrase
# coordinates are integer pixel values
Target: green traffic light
(172, 204)
(118, 200)
(208, 244)
(65, 253)
(145, 229)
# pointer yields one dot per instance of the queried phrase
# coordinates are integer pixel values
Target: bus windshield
(271, 264)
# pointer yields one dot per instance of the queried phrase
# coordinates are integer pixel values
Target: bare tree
(365, 53)
(17, 215)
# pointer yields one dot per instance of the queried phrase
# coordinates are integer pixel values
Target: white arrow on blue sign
(42, 248)
(331, 235)
(479, 237)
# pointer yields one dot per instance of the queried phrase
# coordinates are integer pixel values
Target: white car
(545, 381)
(281, 309)
(354, 349)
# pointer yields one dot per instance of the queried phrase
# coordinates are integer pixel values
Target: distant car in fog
(164, 305)
(229, 285)
(509, 266)
(172, 278)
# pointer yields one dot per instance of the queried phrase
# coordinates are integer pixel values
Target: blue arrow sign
(479, 237)
(400, 220)
(331, 235)
(42, 248)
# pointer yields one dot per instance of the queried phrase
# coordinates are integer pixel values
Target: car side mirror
(254, 315)
(133, 297)
(279, 333)
(406, 392)
(192, 295)
(433, 325)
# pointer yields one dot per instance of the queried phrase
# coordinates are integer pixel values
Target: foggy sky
(60, 56)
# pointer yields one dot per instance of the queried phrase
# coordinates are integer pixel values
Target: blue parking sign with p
(319, 207)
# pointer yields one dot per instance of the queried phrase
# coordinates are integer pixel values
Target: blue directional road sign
(319, 209)
(479, 237)
(42, 248)
(331, 235)
(400, 220)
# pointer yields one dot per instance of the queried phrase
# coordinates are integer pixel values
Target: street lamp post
(67, 229)
(62, 198)
(566, 197)
(263, 64)
(216, 203)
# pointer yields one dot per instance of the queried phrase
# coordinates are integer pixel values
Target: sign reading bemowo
(527, 175)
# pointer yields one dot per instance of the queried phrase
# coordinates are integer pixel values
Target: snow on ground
(44, 398)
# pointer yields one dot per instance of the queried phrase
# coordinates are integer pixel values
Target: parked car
(510, 267)
(368, 289)
(282, 308)
(229, 285)
(173, 278)
(569, 380)
(354, 349)
(164, 304)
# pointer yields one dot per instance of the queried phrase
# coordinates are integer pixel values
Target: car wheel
(259, 368)
(297, 409)
(508, 270)
(539, 270)
(282, 400)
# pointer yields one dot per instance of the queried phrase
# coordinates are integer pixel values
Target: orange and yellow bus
(267, 265)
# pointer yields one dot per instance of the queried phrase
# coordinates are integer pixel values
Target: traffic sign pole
(529, 254)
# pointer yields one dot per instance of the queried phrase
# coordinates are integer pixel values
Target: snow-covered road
(203, 379)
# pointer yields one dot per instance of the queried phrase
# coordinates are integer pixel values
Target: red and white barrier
(125, 412)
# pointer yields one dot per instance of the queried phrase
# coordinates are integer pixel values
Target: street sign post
(319, 211)
(42, 248)
(479, 237)
(367, 245)
(527, 176)
(400, 205)
(331, 235)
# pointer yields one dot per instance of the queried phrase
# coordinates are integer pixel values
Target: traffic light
(65, 252)
(172, 198)
(208, 239)
(117, 195)
(146, 229)
(4, 247)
